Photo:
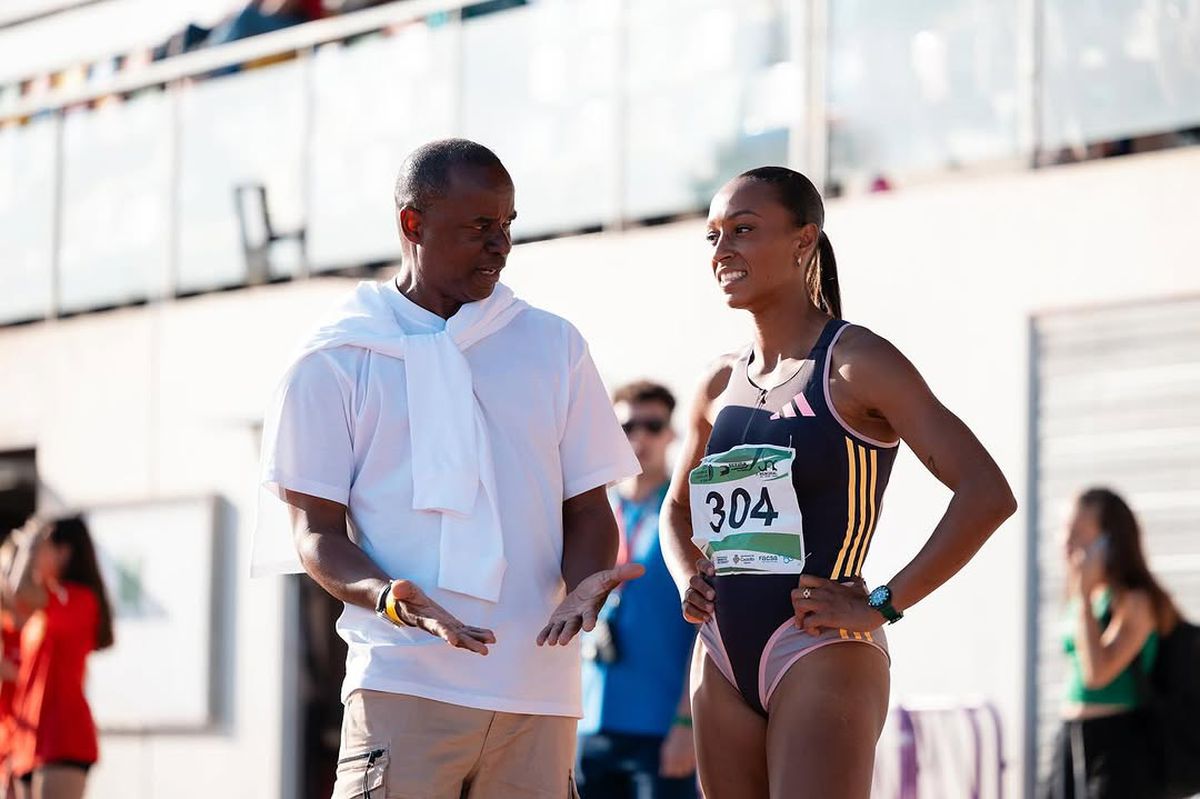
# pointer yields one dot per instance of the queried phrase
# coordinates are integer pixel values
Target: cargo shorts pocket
(362, 774)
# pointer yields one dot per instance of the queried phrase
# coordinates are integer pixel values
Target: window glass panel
(27, 175)
(116, 202)
(916, 87)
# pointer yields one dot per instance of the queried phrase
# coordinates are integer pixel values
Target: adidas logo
(797, 406)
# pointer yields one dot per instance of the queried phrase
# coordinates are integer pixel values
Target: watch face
(879, 597)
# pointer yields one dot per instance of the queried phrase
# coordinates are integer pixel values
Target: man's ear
(409, 221)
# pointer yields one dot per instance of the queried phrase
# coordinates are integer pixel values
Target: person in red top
(53, 736)
(11, 620)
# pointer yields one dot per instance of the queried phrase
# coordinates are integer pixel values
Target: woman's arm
(28, 593)
(1103, 656)
(880, 383)
(683, 559)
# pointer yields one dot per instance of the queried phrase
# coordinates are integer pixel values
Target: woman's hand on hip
(699, 600)
(822, 604)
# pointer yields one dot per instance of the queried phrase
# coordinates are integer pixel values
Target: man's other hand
(582, 606)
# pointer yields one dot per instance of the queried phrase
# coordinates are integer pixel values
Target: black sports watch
(881, 600)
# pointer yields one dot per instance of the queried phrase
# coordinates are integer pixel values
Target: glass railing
(28, 176)
(1118, 69)
(373, 102)
(920, 87)
(598, 122)
(605, 112)
(550, 112)
(720, 98)
(246, 130)
(116, 203)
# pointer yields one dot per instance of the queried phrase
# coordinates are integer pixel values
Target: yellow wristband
(389, 610)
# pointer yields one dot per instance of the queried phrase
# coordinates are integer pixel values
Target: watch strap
(885, 608)
(890, 613)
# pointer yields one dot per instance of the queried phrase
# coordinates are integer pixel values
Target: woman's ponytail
(822, 279)
(828, 295)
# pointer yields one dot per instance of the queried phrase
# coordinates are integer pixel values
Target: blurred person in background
(1117, 615)
(636, 734)
(257, 18)
(57, 578)
(776, 496)
(263, 16)
(12, 618)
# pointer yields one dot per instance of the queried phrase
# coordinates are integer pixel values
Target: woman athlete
(774, 503)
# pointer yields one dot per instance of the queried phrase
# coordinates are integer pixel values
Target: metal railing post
(620, 117)
(308, 127)
(56, 223)
(1030, 18)
(816, 63)
(170, 279)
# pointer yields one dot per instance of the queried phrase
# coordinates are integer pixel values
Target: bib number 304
(741, 507)
(745, 515)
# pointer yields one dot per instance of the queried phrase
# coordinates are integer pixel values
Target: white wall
(160, 401)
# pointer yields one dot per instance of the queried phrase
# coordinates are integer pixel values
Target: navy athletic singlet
(785, 487)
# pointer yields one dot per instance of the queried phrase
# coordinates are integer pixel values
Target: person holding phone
(1117, 614)
(58, 583)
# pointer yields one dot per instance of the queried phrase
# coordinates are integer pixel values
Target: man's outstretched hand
(417, 610)
(581, 607)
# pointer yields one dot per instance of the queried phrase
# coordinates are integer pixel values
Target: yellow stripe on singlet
(864, 473)
(872, 520)
(869, 638)
(858, 636)
(851, 506)
(844, 634)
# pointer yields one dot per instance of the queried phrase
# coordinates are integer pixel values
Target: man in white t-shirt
(444, 450)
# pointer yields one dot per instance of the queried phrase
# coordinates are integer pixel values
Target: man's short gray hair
(425, 173)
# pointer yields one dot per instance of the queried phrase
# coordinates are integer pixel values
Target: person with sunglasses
(636, 734)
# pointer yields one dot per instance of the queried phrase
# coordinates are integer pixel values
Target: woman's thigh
(59, 782)
(825, 719)
(730, 737)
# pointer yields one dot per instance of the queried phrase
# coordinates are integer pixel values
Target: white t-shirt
(343, 435)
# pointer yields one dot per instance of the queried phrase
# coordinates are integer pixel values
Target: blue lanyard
(636, 513)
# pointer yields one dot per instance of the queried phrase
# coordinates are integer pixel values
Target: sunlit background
(1014, 196)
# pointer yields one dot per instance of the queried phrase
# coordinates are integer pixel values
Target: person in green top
(1117, 612)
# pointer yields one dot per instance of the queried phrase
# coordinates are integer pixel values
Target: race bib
(745, 517)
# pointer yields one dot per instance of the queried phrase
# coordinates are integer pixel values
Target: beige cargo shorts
(406, 747)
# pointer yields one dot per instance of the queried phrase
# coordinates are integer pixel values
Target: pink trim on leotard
(765, 656)
(833, 410)
(777, 671)
(710, 635)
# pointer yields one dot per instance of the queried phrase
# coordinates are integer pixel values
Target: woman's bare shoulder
(713, 383)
